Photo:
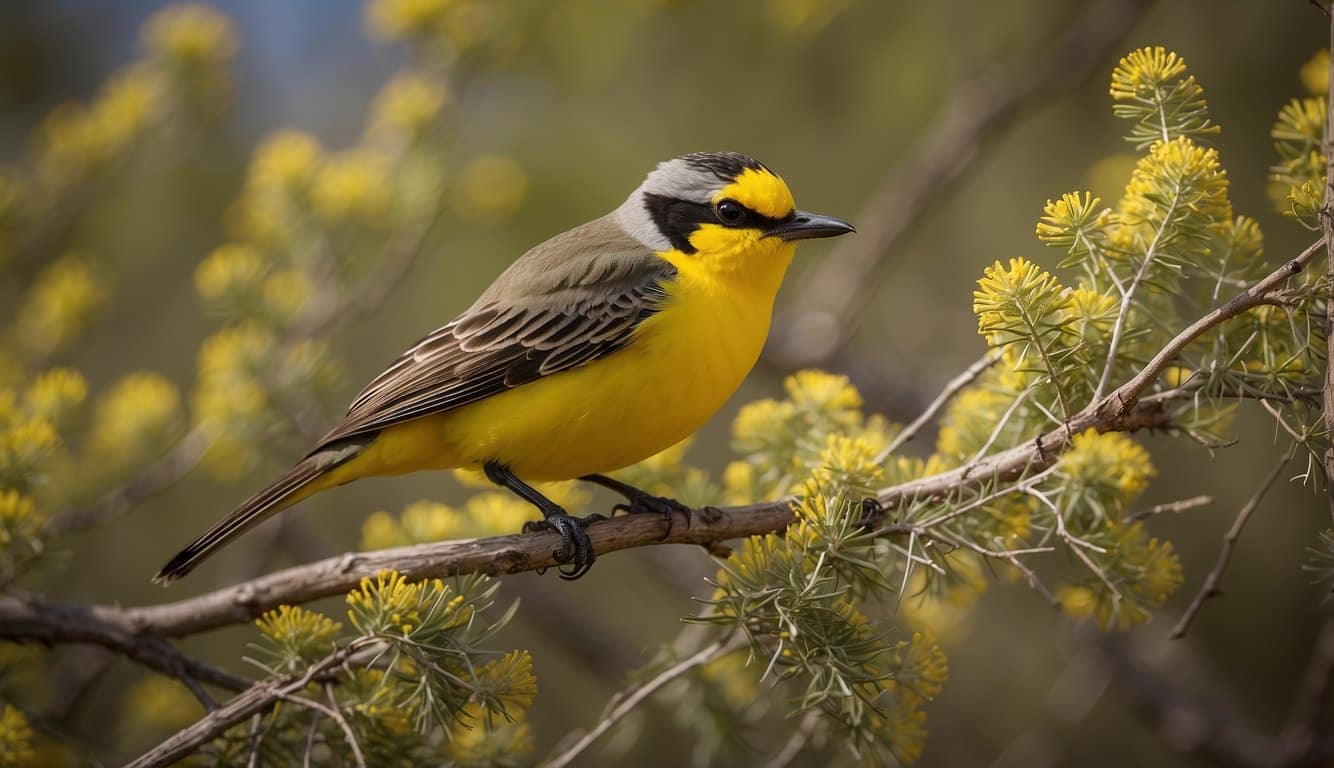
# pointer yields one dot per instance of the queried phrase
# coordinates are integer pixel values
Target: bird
(594, 350)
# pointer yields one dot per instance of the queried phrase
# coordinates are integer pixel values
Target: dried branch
(626, 701)
(823, 314)
(254, 700)
(1327, 228)
(1211, 586)
(33, 619)
(154, 479)
(1171, 508)
(951, 389)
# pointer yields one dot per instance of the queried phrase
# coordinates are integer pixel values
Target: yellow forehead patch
(761, 191)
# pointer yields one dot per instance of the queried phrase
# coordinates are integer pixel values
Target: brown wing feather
(572, 300)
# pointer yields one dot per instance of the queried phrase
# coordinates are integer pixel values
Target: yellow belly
(678, 371)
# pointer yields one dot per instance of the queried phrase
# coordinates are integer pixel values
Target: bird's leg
(576, 550)
(639, 501)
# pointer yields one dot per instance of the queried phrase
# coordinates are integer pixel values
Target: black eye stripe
(677, 219)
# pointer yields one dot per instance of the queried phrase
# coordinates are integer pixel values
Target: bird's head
(722, 206)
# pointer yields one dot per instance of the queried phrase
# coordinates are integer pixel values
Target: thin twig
(798, 742)
(333, 714)
(1211, 586)
(1171, 507)
(152, 480)
(951, 389)
(256, 699)
(628, 700)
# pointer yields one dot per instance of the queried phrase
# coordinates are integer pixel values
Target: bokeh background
(570, 104)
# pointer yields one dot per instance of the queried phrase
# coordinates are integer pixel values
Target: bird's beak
(805, 226)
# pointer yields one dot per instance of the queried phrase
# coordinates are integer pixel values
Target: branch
(34, 619)
(628, 700)
(1210, 588)
(1327, 227)
(154, 479)
(254, 700)
(823, 314)
(951, 389)
(1125, 409)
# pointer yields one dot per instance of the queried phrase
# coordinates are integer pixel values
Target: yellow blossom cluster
(137, 419)
(63, 300)
(17, 741)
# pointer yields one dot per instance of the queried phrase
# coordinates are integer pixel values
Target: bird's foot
(639, 502)
(575, 555)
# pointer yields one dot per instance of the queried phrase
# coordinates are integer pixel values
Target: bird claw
(646, 503)
(576, 551)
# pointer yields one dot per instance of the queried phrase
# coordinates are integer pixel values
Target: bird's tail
(307, 477)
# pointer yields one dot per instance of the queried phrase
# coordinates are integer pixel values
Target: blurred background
(554, 113)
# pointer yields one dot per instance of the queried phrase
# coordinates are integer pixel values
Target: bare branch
(154, 479)
(823, 314)
(1327, 227)
(1171, 507)
(951, 389)
(35, 620)
(626, 701)
(1211, 586)
(254, 700)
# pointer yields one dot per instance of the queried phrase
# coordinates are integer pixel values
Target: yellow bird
(596, 349)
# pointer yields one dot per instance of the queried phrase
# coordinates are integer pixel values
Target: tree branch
(823, 313)
(34, 619)
(1211, 586)
(254, 700)
(1327, 227)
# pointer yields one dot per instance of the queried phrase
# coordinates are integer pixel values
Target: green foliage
(418, 681)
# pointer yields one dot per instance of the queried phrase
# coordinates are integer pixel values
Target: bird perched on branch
(596, 349)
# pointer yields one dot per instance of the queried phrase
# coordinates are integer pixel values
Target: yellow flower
(1315, 73)
(490, 188)
(1191, 174)
(1109, 461)
(16, 739)
(497, 514)
(735, 678)
(1066, 220)
(352, 184)
(388, 603)
(63, 300)
(286, 161)
(475, 741)
(190, 34)
(408, 104)
(508, 684)
(286, 293)
(231, 274)
(1141, 72)
(20, 522)
(826, 392)
(424, 521)
(55, 395)
(127, 106)
(160, 704)
(1092, 313)
(24, 446)
(136, 419)
(298, 635)
(381, 531)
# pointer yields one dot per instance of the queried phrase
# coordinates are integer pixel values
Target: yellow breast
(683, 364)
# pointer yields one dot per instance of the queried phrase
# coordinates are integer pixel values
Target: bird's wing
(572, 300)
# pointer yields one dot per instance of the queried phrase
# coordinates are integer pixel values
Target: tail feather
(293, 486)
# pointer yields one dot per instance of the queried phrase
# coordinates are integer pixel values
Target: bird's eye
(730, 212)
